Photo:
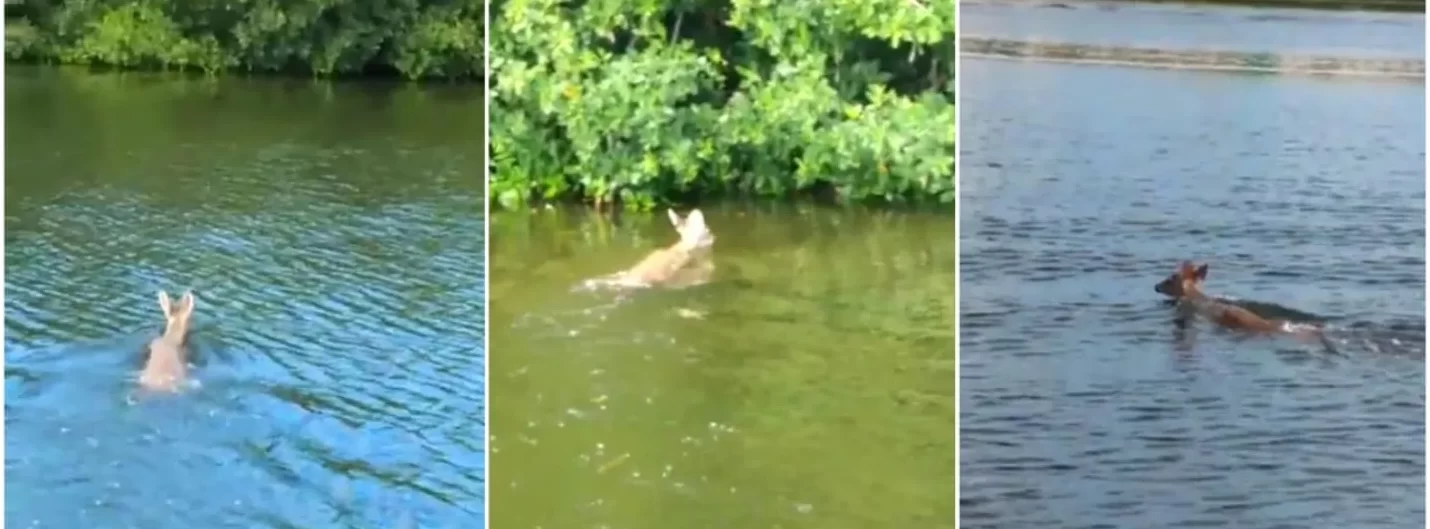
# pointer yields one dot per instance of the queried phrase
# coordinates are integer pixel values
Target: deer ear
(187, 301)
(1202, 272)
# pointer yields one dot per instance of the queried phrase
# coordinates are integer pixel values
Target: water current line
(1233, 61)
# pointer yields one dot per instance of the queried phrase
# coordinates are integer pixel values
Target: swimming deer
(685, 262)
(662, 266)
(167, 365)
(1185, 286)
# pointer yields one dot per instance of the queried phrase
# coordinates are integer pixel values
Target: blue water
(1202, 27)
(1082, 405)
(333, 236)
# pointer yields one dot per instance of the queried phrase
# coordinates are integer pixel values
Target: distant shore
(1397, 6)
(1191, 59)
(1330, 5)
(429, 42)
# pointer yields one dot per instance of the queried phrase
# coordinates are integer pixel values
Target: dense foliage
(414, 38)
(642, 101)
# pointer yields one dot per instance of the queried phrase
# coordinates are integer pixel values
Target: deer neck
(175, 330)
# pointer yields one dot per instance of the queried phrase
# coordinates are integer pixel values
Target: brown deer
(1185, 286)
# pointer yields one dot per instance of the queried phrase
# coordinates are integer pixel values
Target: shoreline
(1371, 6)
(1206, 60)
(716, 202)
(20, 34)
(190, 74)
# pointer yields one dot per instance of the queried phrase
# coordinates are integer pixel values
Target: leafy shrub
(640, 101)
(412, 38)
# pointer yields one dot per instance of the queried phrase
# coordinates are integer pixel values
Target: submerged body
(685, 263)
(1185, 286)
(658, 267)
(166, 368)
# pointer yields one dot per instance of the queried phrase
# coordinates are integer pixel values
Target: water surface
(809, 384)
(333, 236)
(1081, 403)
(1203, 27)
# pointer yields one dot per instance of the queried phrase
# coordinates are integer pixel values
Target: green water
(809, 384)
(333, 235)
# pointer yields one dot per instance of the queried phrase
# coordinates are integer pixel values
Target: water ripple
(807, 385)
(1083, 405)
(337, 337)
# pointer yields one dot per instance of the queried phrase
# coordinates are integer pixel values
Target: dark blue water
(1081, 403)
(1202, 27)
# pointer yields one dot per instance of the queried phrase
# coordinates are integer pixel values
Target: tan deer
(167, 366)
(684, 263)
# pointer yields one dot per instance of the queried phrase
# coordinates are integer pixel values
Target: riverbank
(1395, 6)
(438, 42)
(721, 101)
(1398, 6)
(1192, 59)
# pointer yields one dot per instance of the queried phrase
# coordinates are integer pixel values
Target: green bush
(643, 101)
(416, 39)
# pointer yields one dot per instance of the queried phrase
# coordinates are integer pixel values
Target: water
(1082, 405)
(810, 383)
(1203, 27)
(333, 236)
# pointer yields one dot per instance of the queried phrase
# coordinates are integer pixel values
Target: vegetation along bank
(642, 103)
(408, 38)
